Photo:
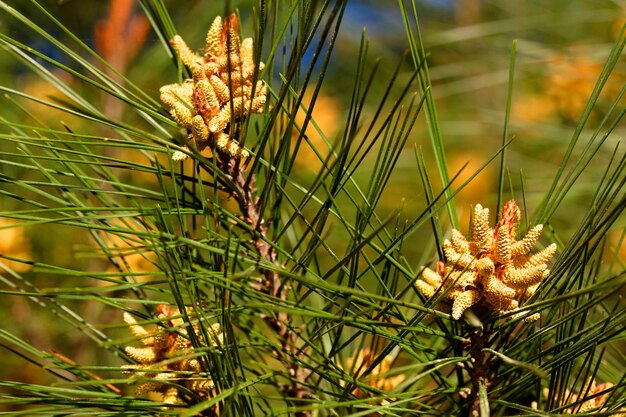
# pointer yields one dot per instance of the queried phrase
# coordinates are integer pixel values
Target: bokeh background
(561, 49)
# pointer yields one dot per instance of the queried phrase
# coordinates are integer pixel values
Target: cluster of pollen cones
(221, 92)
(167, 358)
(590, 399)
(493, 269)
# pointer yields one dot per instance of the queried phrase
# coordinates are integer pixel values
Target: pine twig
(280, 322)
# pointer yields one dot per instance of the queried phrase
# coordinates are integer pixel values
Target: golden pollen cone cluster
(381, 377)
(378, 377)
(595, 404)
(221, 92)
(167, 357)
(493, 269)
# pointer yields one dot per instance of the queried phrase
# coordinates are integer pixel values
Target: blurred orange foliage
(14, 244)
(127, 253)
(120, 36)
(476, 190)
(326, 114)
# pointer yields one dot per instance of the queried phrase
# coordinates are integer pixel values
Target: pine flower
(587, 402)
(157, 360)
(221, 92)
(378, 378)
(493, 269)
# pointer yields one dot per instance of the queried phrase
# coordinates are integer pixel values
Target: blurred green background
(562, 46)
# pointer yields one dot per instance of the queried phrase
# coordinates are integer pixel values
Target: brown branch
(480, 366)
(279, 322)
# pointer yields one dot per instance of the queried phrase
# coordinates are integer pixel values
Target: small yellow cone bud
(462, 301)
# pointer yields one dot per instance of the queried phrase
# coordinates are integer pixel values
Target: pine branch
(244, 192)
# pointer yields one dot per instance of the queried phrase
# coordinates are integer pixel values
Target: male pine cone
(493, 269)
(222, 91)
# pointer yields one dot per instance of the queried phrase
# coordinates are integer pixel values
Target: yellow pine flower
(379, 376)
(494, 269)
(222, 91)
(588, 401)
(157, 359)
